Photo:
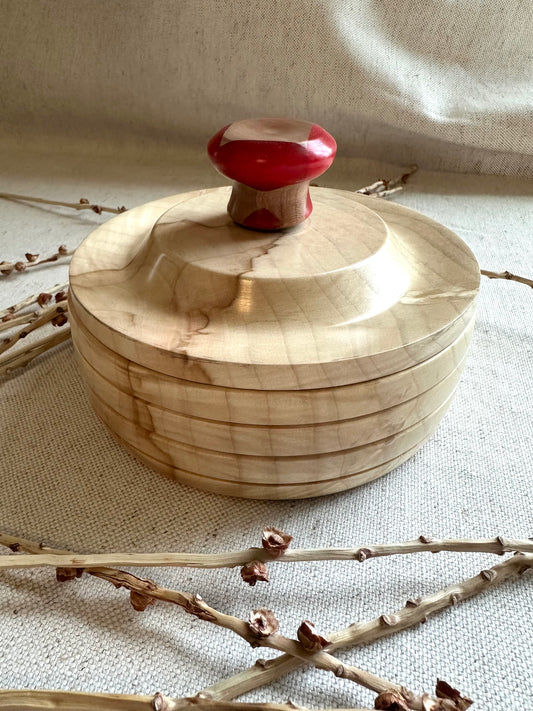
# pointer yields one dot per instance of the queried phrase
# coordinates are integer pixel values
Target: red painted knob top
(271, 154)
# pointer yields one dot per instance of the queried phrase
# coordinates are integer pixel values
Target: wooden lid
(361, 289)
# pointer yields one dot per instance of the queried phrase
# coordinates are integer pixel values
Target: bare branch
(261, 630)
(83, 204)
(43, 299)
(32, 260)
(384, 188)
(54, 314)
(11, 699)
(497, 546)
(415, 612)
(508, 276)
(24, 356)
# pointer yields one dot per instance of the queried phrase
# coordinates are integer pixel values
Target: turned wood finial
(271, 161)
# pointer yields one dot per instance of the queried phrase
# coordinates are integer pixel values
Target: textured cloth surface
(108, 101)
(63, 479)
(450, 82)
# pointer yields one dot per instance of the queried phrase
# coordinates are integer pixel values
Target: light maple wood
(354, 293)
(266, 491)
(264, 407)
(263, 440)
(280, 365)
(273, 470)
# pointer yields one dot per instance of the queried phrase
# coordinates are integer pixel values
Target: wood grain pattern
(279, 365)
(261, 469)
(353, 294)
(264, 440)
(266, 491)
(263, 407)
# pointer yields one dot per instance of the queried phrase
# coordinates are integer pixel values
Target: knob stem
(270, 209)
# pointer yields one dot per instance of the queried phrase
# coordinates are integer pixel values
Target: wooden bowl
(269, 407)
(275, 364)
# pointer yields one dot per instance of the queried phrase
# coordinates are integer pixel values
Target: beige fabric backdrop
(112, 101)
(448, 82)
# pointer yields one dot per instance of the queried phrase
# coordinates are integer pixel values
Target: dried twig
(11, 320)
(423, 544)
(384, 188)
(43, 299)
(32, 260)
(263, 632)
(24, 356)
(16, 315)
(508, 276)
(415, 612)
(55, 314)
(11, 699)
(83, 204)
(259, 631)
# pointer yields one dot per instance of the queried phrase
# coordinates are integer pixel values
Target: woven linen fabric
(111, 101)
(448, 81)
(64, 480)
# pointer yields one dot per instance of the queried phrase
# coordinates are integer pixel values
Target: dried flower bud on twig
(263, 623)
(65, 574)
(444, 691)
(391, 701)
(310, 638)
(44, 298)
(275, 541)
(32, 260)
(140, 602)
(385, 187)
(59, 320)
(254, 571)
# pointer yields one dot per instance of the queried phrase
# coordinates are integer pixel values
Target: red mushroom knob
(271, 162)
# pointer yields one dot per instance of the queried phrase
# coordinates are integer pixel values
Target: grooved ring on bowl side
(268, 470)
(273, 441)
(272, 408)
(260, 491)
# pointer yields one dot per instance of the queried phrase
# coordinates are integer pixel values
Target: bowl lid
(361, 289)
